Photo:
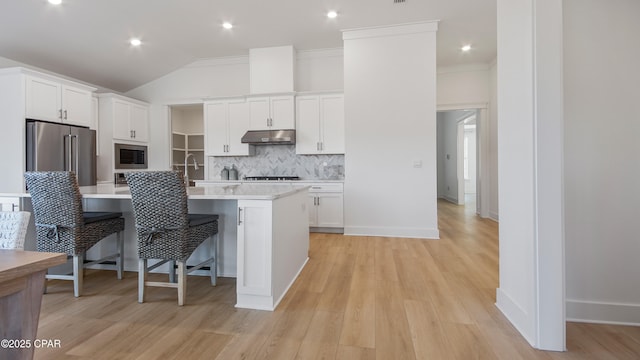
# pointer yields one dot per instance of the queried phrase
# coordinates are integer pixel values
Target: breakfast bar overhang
(264, 233)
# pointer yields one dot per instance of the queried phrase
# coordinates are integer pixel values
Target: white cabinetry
(326, 205)
(271, 112)
(254, 247)
(53, 100)
(121, 120)
(9, 203)
(225, 121)
(320, 124)
(272, 248)
(129, 117)
(17, 105)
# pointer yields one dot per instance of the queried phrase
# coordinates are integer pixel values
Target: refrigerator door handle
(67, 152)
(75, 151)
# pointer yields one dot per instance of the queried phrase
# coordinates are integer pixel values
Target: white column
(530, 153)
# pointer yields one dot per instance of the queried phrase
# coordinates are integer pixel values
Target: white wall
(602, 167)
(474, 85)
(531, 292)
(463, 84)
(390, 112)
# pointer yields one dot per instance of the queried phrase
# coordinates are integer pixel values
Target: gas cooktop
(277, 178)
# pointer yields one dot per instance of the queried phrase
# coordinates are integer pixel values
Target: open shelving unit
(183, 144)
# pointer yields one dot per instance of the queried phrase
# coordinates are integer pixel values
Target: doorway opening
(187, 140)
(458, 150)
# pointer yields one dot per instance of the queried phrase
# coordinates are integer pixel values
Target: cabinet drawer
(326, 187)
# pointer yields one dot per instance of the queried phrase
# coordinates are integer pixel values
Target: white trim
(227, 60)
(514, 313)
(463, 68)
(603, 312)
(390, 30)
(461, 106)
(319, 53)
(418, 233)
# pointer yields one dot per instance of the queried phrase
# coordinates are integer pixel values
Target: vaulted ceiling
(89, 39)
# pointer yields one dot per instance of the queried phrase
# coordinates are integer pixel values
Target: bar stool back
(165, 229)
(62, 225)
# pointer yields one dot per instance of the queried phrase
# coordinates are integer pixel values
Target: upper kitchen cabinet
(272, 112)
(58, 100)
(21, 97)
(128, 118)
(320, 124)
(225, 121)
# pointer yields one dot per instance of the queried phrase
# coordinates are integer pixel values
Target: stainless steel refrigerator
(58, 147)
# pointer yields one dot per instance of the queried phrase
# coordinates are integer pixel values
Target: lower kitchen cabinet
(326, 203)
(9, 203)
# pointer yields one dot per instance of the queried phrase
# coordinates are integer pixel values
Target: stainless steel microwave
(130, 156)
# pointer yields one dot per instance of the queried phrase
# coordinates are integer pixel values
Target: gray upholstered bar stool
(62, 226)
(166, 231)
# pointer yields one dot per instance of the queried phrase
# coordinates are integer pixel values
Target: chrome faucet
(186, 168)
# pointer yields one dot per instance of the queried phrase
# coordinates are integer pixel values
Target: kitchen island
(263, 233)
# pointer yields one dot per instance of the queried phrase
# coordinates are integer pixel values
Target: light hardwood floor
(357, 298)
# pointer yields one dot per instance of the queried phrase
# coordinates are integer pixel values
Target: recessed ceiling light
(332, 14)
(55, 2)
(227, 25)
(466, 48)
(135, 42)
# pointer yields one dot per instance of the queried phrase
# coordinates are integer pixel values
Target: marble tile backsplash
(280, 160)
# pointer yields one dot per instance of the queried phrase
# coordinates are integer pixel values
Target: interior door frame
(482, 152)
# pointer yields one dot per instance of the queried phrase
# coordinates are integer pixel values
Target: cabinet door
(259, 114)
(282, 112)
(307, 125)
(332, 120)
(215, 128)
(9, 203)
(330, 210)
(139, 122)
(76, 106)
(254, 247)
(121, 117)
(43, 99)
(313, 210)
(238, 120)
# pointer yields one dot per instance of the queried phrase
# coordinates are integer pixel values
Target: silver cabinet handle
(65, 114)
(318, 200)
(239, 216)
(134, 134)
(60, 114)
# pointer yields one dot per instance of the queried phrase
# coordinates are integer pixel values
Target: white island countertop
(208, 192)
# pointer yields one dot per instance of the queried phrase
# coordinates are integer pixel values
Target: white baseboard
(494, 216)
(449, 199)
(515, 314)
(419, 233)
(603, 313)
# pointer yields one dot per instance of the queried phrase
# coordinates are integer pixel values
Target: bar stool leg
(213, 267)
(172, 271)
(182, 281)
(78, 274)
(120, 258)
(142, 274)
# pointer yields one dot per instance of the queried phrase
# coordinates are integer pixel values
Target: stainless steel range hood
(269, 137)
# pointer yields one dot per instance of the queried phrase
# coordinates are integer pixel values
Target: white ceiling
(88, 39)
